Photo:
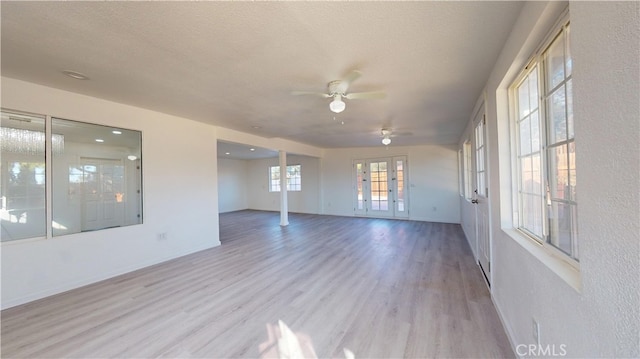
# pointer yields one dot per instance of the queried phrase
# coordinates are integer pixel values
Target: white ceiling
(242, 152)
(234, 64)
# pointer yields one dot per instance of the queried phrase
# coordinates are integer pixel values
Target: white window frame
(537, 63)
(292, 185)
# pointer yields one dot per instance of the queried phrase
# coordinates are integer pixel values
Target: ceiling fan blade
(299, 93)
(365, 95)
(344, 83)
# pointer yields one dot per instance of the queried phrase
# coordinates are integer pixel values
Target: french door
(380, 188)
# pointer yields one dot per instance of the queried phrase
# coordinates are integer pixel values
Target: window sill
(560, 266)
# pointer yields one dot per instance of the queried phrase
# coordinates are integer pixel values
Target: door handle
(474, 201)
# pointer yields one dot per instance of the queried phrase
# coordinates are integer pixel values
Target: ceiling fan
(338, 90)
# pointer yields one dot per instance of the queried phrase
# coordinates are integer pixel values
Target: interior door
(481, 195)
(102, 193)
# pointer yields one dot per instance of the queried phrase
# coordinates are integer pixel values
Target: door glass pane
(480, 159)
(359, 190)
(400, 185)
(97, 178)
(379, 187)
(22, 194)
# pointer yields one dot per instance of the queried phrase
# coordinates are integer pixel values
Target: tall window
(294, 178)
(547, 202)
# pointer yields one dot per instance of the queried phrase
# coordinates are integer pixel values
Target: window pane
(535, 132)
(532, 214)
(556, 108)
(96, 184)
(559, 172)
(533, 90)
(525, 136)
(568, 59)
(530, 174)
(555, 62)
(570, 109)
(523, 98)
(560, 226)
(22, 194)
(572, 172)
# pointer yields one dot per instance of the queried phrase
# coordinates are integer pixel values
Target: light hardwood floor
(323, 286)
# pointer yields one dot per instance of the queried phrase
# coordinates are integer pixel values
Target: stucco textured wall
(606, 47)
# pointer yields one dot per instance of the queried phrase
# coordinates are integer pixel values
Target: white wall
(180, 198)
(232, 184)
(305, 201)
(433, 180)
(602, 317)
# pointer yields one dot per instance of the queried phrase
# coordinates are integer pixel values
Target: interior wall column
(284, 210)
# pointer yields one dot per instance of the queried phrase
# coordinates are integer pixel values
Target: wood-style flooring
(325, 286)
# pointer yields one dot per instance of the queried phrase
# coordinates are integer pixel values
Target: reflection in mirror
(97, 179)
(22, 193)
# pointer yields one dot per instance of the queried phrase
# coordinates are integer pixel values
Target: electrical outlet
(536, 331)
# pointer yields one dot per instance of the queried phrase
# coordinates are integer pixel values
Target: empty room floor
(324, 286)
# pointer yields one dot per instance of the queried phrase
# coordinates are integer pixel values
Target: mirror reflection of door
(102, 193)
(381, 187)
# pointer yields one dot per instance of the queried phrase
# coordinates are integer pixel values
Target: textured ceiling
(234, 64)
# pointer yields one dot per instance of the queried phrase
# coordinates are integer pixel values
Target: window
(22, 193)
(294, 178)
(546, 171)
(95, 177)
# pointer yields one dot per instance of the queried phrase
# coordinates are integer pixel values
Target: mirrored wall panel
(22, 192)
(97, 177)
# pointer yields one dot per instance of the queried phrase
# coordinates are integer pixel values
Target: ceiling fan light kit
(337, 90)
(386, 137)
(337, 105)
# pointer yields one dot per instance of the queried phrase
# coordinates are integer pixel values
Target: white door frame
(362, 188)
(481, 193)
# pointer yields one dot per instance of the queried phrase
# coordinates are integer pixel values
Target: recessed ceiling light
(132, 157)
(75, 75)
(116, 132)
(252, 149)
(99, 140)
(256, 127)
(227, 153)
